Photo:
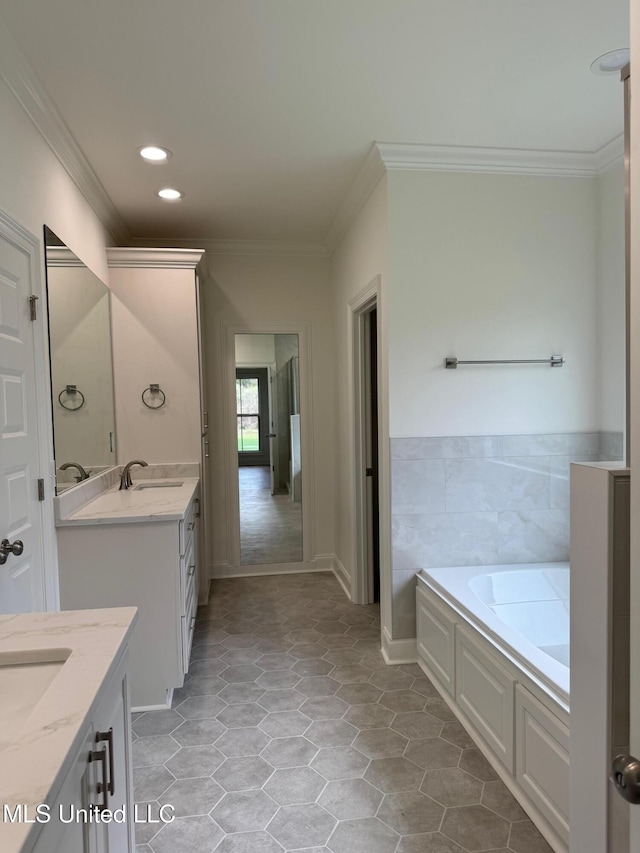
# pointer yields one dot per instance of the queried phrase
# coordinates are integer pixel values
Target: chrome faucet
(125, 479)
(82, 474)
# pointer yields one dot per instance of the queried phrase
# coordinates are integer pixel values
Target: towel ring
(72, 392)
(154, 388)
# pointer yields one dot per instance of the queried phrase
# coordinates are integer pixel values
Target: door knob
(7, 548)
(626, 777)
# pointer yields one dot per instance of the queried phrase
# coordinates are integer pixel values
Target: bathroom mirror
(269, 448)
(81, 368)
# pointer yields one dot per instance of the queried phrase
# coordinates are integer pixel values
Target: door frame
(303, 331)
(257, 457)
(360, 305)
(27, 242)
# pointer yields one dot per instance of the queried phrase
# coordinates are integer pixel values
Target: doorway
(367, 474)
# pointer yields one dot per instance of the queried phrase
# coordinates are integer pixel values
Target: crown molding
(363, 185)
(34, 99)
(506, 161)
(177, 259)
(60, 256)
(273, 248)
(610, 154)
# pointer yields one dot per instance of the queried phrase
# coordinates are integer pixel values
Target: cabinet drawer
(436, 640)
(484, 692)
(542, 762)
(188, 523)
(187, 572)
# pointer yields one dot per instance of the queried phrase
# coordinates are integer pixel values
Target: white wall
(357, 260)
(611, 298)
(255, 349)
(491, 266)
(246, 288)
(36, 190)
(155, 340)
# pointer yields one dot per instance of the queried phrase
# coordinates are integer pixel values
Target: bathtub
(523, 608)
(494, 640)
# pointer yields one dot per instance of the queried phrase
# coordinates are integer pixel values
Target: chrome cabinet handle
(6, 548)
(196, 502)
(191, 525)
(108, 737)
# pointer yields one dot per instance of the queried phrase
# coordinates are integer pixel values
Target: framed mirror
(267, 415)
(81, 366)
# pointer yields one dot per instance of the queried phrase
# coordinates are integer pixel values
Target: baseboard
(398, 651)
(140, 709)
(342, 575)
(224, 570)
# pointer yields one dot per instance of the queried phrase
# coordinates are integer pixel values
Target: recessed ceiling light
(611, 62)
(154, 153)
(169, 194)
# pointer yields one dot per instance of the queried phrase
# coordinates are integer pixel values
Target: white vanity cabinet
(103, 757)
(150, 563)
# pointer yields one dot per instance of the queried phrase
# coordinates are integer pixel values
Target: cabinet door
(68, 832)
(112, 732)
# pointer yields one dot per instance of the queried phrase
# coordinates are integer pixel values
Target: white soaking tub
(495, 642)
(524, 608)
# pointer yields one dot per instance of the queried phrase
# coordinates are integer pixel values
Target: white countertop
(115, 506)
(38, 756)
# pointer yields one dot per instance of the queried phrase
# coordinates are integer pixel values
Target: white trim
(60, 256)
(272, 248)
(342, 576)
(270, 569)
(228, 332)
(358, 306)
(30, 245)
(17, 73)
(508, 161)
(610, 154)
(398, 651)
(139, 258)
(364, 183)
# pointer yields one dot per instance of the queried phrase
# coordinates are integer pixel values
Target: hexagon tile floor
(291, 734)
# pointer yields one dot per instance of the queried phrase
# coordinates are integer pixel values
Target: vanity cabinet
(151, 564)
(104, 755)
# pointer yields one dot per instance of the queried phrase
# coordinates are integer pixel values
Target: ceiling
(270, 106)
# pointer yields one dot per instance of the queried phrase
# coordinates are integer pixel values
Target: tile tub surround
(41, 752)
(291, 734)
(481, 500)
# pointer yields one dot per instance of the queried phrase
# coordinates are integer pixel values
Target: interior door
(204, 560)
(22, 574)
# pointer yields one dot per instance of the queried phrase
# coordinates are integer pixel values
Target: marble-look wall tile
(611, 446)
(492, 485)
(417, 486)
(532, 536)
(444, 539)
(404, 604)
(444, 447)
(561, 444)
(560, 467)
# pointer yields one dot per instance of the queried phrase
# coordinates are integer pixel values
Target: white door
(21, 576)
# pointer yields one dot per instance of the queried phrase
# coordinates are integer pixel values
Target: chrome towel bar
(555, 361)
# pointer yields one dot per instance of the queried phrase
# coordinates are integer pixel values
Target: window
(248, 413)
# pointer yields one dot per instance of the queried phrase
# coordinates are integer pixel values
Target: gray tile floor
(270, 525)
(291, 734)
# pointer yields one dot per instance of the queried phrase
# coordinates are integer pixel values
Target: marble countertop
(114, 506)
(39, 753)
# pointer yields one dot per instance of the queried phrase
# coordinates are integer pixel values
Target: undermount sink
(24, 679)
(150, 484)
